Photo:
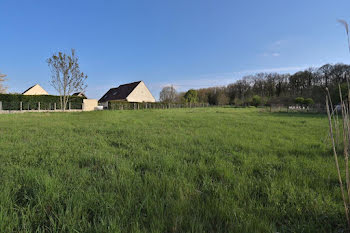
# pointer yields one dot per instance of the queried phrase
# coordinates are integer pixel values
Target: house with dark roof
(135, 92)
(35, 90)
(80, 94)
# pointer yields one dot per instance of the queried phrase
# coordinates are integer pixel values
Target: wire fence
(115, 105)
(138, 106)
(317, 108)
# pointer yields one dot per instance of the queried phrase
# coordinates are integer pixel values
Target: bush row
(30, 102)
(124, 105)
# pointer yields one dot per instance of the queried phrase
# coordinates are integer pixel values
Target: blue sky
(187, 43)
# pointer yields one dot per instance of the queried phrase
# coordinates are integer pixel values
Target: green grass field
(179, 170)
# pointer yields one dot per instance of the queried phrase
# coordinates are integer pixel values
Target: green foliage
(175, 170)
(299, 101)
(256, 101)
(334, 92)
(12, 101)
(124, 105)
(308, 102)
(191, 96)
(303, 102)
(281, 88)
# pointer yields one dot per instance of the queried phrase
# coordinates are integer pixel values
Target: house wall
(141, 94)
(36, 90)
(89, 104)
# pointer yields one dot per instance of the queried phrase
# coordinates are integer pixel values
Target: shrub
(256, 101)
(124, 105)
(30, 102)
(308, 101)
(299, 101)
(191, 96)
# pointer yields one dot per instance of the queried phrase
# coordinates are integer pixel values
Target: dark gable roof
(80, 94)
(119, 93)
(28, 89)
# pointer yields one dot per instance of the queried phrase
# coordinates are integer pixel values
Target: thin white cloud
(272, 54)
(278, 44)
(273, 49)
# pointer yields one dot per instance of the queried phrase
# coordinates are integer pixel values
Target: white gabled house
(35, 90)
(135, 92)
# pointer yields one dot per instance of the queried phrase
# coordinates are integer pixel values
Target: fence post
(20, 106)
(0, 105)
(69, 106)
(54, 106)
(138, 106)
(39, 106)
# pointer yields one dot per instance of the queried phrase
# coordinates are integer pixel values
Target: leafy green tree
(256, 101)
(191, 96)
(308, 101)
(299, 101)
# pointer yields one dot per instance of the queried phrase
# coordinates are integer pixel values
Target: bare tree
(66, 76)
(2, 80)
(168, 94)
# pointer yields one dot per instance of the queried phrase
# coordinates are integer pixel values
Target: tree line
(304, 87)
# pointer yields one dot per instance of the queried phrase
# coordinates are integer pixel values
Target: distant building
(80, 94)
(35, 90)
(136, 92)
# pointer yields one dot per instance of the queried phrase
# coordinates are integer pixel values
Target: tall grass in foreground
(337, 146)
(344, 127)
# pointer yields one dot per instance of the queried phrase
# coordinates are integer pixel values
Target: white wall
(141, 94)
(36, 90)
(89, 104)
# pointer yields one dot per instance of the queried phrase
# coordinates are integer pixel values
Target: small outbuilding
(35, 90)
(135, 92)
(80, 94)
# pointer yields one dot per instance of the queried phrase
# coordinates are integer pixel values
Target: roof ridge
(30, 88)
(121, 92)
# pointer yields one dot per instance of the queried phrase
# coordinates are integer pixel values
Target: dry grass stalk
(346, 26)
(345, 128)
(335, 119)
(346, 132)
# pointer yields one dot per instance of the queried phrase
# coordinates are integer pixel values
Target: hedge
(124, 105)
(30, 102)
